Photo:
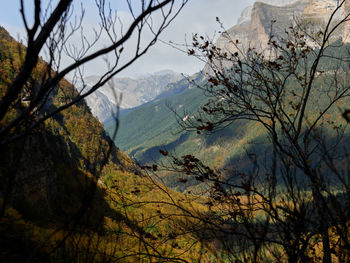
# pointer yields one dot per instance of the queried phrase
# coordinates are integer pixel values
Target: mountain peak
(254, 25)
(247, 12)
(164, 72)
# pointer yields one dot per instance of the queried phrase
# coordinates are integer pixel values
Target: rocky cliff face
(321, 10)
(247, 12)
(101, 107)
(346, 32)
(317, 14)
(135, 92)
(254, 25)
(261, 21)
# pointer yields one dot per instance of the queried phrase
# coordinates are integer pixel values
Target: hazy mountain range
(254, 26)
(135, 92)
(252, 30)
(153, 126)
(68, 189)
(247, 12)
(56, 167)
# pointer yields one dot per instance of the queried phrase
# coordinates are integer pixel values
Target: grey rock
(135, 92)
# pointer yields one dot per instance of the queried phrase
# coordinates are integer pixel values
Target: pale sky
(198, 16)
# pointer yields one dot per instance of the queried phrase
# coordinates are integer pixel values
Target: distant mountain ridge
(135, 91)
(252, 30)
(153, 126)
(254, 25)
(68, 188)
(247, 12)
(60, 152)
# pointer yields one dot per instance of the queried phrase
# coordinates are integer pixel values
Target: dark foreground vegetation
(69, 195)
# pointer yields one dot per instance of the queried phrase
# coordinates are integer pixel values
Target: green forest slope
(64, 199)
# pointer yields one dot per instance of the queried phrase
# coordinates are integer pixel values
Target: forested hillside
(67, 192)
(160, 125)
(246, 162)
